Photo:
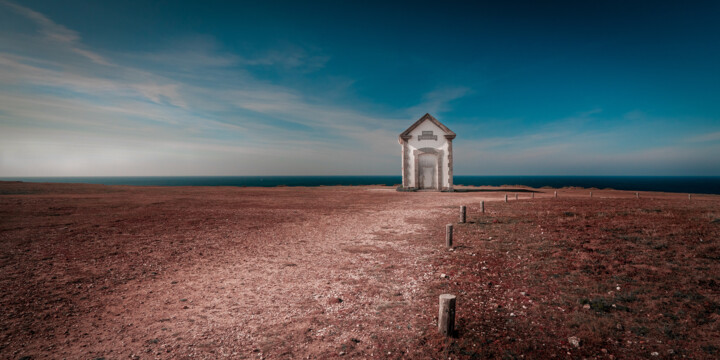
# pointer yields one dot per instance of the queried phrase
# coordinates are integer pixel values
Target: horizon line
(372, 175)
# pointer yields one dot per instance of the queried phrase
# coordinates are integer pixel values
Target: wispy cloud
(438, 101)
(713, 136)
(151, 112)
(56, 32)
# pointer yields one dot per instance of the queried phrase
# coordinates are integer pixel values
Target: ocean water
(683, 184)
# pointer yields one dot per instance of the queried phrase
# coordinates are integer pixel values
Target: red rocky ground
(115, 272)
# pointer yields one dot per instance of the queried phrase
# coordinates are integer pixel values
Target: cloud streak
(56, 33)
(63, 108)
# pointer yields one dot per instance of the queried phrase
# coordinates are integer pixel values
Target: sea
(680, 184)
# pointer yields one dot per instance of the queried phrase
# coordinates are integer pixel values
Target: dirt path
(93, 271)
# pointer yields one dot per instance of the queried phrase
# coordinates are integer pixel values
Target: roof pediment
(449, 134)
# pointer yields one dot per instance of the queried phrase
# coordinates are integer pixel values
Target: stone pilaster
(404, 165)
(450, 165)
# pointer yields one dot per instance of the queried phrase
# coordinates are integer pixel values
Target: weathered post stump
(516, 196)
(533, 195)
(637, 195)
(448, 235)
(591, 194)
(462, 214)
(446, 316)
(689, 196)
(505, 197)
(482, 206)
(556, 194)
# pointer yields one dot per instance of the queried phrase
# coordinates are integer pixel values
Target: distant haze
(131, 88)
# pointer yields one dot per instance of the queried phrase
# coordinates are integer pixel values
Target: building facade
(427, 158)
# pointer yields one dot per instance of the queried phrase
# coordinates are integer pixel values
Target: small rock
(574, 341)
(586, 306)
(523, 293)
(619, 326)
(655, 353)
(604, 351)
(443, 276)
(341, 353)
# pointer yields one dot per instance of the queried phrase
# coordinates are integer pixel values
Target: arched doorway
(427, 171)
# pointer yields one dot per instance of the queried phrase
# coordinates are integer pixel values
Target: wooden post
(505, 197)
(556, 194)
(446, 316)
(462, 214)
(516, 196)
(637, 195)
(533, 195)
(591, 194)
(482, 206)
(448, 235)
(689, 196)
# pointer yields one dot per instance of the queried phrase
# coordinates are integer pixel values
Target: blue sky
(324, 88)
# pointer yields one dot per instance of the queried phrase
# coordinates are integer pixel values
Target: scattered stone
(443, 276)
(341, 353)
(655, 353)
(619, 326)
(574, 341)
(586, 306)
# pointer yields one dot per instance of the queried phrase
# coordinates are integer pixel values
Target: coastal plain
(94, 271)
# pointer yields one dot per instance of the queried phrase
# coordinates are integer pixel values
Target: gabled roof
(449, 134)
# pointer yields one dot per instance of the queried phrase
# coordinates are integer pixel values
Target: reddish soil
(115, 272)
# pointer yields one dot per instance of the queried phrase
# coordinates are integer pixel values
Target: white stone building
(427, 160)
